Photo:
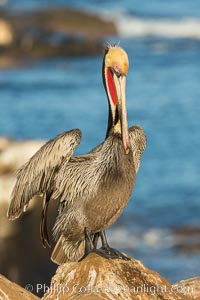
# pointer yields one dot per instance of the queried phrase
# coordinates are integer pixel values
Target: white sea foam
(152, 237)
(184, 28)
(129, 26)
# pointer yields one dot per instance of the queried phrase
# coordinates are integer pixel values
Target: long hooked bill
(120, 85)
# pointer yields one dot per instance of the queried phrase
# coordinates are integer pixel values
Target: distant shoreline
(50, 32)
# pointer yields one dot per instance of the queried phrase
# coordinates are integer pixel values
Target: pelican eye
(115, 70)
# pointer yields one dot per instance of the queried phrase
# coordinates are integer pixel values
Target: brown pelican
(93, 189)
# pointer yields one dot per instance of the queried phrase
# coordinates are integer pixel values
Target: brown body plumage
(93, 189)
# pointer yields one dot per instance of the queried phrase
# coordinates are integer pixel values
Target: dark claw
(111, 253)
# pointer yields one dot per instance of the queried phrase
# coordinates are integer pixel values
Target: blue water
(155, 8)
(163, 94)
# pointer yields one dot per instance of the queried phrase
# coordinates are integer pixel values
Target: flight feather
(36, 176)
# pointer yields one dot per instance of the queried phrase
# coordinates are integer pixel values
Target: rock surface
(16, 154)
(6, 34)
(189, 287)
(187, 239)
(98, 278)
(12, 291)
(50, 32)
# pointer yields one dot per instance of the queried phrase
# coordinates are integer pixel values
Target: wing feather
(35, 176)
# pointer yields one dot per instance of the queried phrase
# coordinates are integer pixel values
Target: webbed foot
(108, 252)
(112, 253)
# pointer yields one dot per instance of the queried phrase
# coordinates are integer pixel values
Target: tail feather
(66, 251)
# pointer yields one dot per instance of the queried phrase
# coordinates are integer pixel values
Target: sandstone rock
(190, 288)
(7, 182)
(98, 278)
(12, 156)
(51, 32)
(187, 239)
(16, 154)
(4, 143)
(23, 258)
(6, 34)
(12, 291)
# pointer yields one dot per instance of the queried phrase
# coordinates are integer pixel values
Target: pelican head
(115, 69)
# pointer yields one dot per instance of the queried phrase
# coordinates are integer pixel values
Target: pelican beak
(115, 68)
(120, 85)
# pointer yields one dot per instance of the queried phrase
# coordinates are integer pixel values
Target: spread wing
(61, 191)
(35, 176)
(138, 144)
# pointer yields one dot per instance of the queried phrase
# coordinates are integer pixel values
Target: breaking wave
(129, 26)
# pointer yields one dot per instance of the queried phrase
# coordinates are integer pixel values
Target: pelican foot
(111, 253)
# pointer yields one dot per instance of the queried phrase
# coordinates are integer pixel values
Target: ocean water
(163, 95)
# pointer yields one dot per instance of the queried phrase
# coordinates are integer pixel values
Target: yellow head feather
(117, 59)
